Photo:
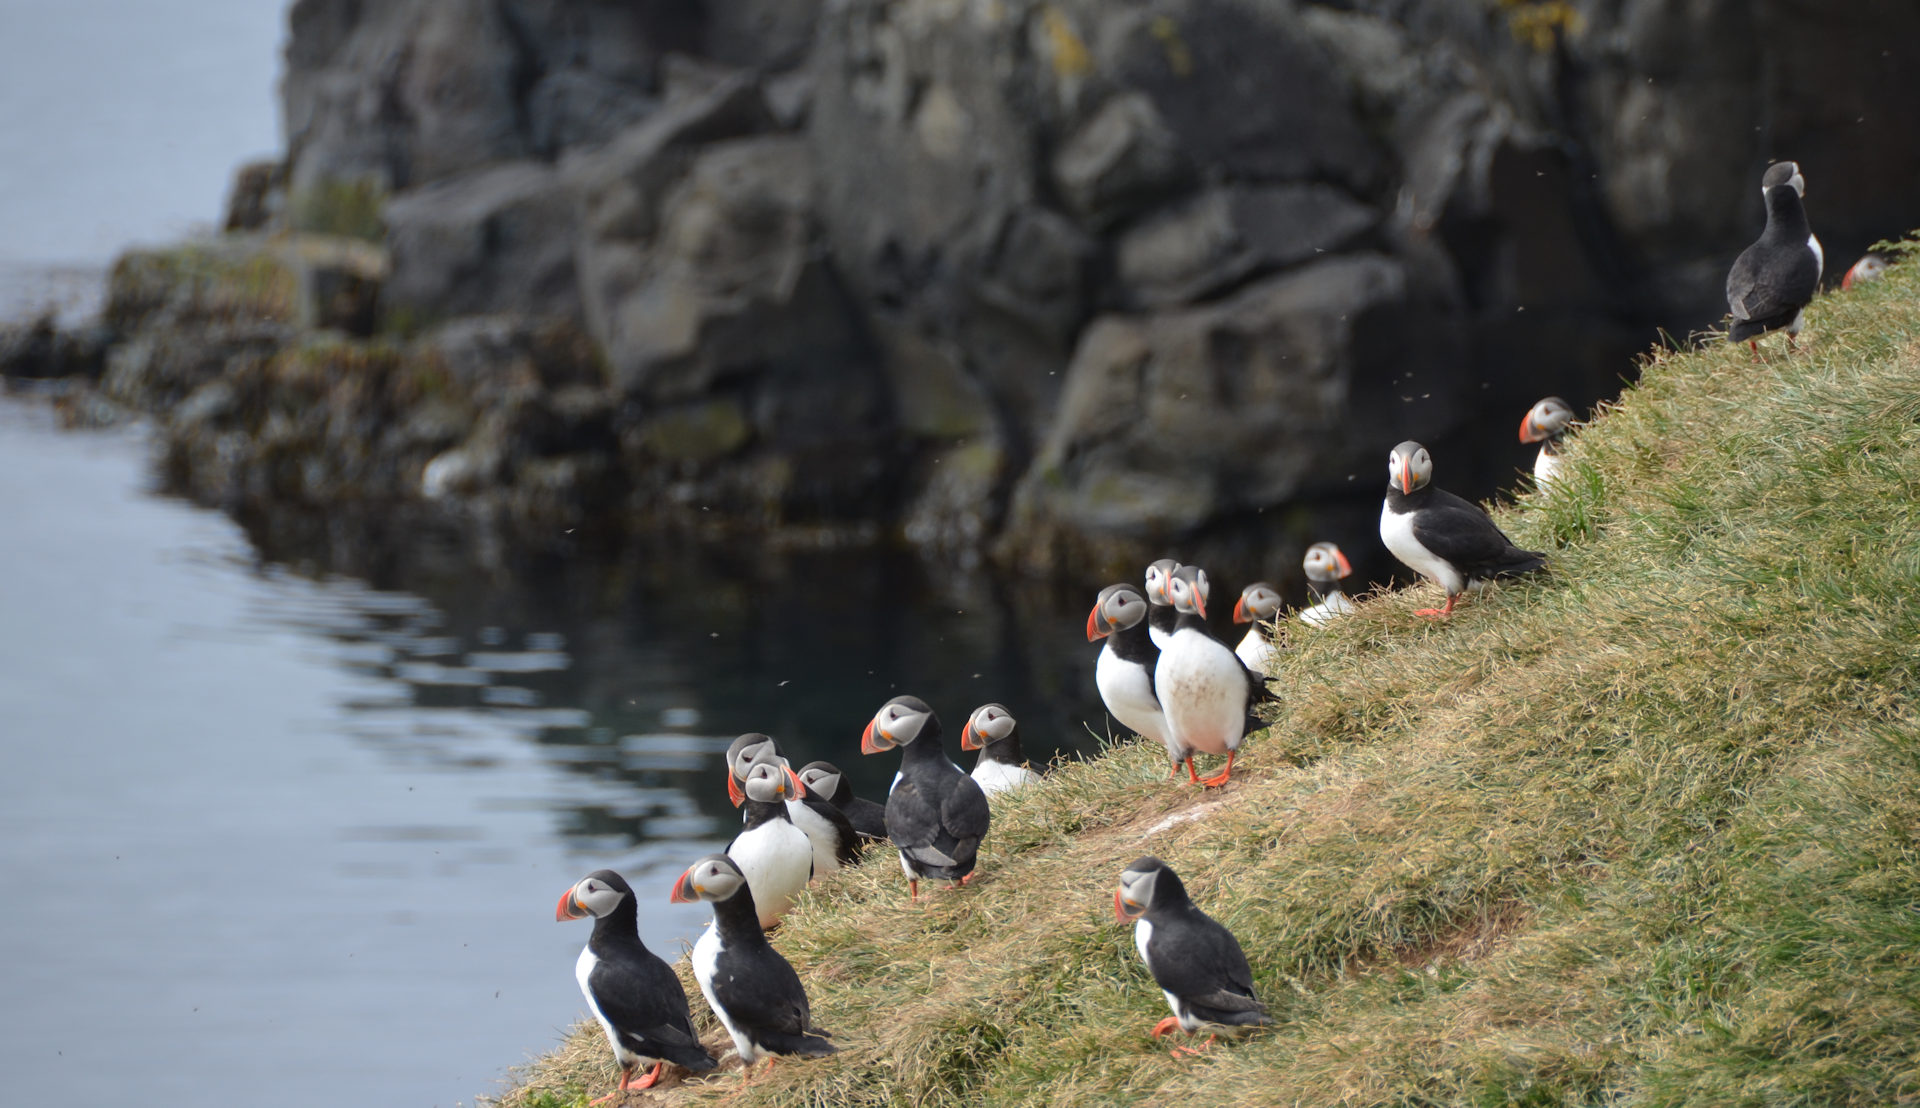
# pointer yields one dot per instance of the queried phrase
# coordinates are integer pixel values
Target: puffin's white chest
(1128, 695)
(822, 834)
(582, 971)
(777, 860)
(1256, 651)
(1203, 690)
(1546, 467)
(705, 959)
(1331, 607)
(997, 777)
(1819, 256)
(1396, 534)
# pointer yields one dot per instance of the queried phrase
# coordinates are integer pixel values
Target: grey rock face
(497, 239)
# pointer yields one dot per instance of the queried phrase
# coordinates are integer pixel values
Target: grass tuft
(1642, 830)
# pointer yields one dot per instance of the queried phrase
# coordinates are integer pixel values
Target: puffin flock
(1161, 673)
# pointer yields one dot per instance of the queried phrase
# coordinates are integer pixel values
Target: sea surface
(285, 807)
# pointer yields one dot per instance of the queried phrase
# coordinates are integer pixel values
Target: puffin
(1124, 672)
(1546, 423)
(1197, 963)
(1162, 617)
(1258, 604)
(1440, 536)
(1002, 766)
(1774, 280)
(824, 780)
(776, 856)
(1869, 268)
(1207, 692)
(936, 814)
(1325, 565)
(835, 842)
(637, 999)
(748, 984)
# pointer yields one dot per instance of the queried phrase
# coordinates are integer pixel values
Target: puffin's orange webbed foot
(1165, 1025)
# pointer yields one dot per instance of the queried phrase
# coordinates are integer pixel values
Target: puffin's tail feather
(808, 1045)
(1516, 562)
(693, 1057)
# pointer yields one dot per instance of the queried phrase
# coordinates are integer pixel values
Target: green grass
(1642, 830)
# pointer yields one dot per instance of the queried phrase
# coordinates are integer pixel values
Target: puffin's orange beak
(1120, 913)
(1093, 625)
(1199, 604)
(683, 891)
(799, 790)
(1406, 481)
(1240, 613)
(967, 741)
(569, 908)
(1526, 427)
(867, 745)
(734, 792)
(1346, 567)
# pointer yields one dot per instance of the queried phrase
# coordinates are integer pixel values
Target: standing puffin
(993, 731)
(936, 814)
(636, 998)
(824, 780)
(776, 856)
(1258, 604)
(835, 842)
(1325, 566)
(748, 984)
(1440, 536)
(1197, 963)
(1205, 689)
(1124, 673)
(1774, 280)
(1161, 617)
(1546, 423)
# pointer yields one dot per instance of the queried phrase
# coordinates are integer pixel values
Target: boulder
(497, 239)
(1120, 161)
(1225, 236)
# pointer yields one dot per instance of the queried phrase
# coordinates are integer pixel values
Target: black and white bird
(1774, 280)
(1197, 963)
(776, 855)
(1869, 268)
(1206, 691)
(1161, 617)
(1258, 604)
(1124, 672)
(630, 990)
(1440, 536)
(749, 985)
(835, 842)
(824, 780)
(1546, 423)
(1325, 566)
(936, 814)
(1002, 765)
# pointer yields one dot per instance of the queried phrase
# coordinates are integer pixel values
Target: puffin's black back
(869, 818)
(936, 814)
(1194, 957)
(636, 991)
(1776, 277)
(1461, 533)
(757, 986)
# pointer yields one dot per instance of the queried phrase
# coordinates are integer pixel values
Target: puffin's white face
(1135, 894)
(1257, 601)
(898, 722)
(1188, 590)
(1118, 608)
(771, 781)
(1409, 467)
(1545, 420)
(821, 781)
(1325, 562)
(748, 751)
(592, 896)
(1158, 574)
(989, 723)
(713, 877)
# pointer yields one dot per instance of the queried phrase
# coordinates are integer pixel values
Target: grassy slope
(1640, 831)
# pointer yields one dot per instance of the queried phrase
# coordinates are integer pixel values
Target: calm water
(289, 810)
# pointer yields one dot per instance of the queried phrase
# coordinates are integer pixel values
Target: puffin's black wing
(1200, 962)
(647, 1005)
(1467, 537)
(763, 996)
(869, 817)
(846, 840)
(1770, 283)
(939, 834)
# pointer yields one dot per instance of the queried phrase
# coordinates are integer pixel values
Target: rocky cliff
(1058, 283)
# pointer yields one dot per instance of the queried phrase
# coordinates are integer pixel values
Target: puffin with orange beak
(826, 781)
(748, 984)
(835, 842)
(774, 854)
(1207, 692)
(1197, 963)
(635, 996)
(1546, 423)
(993, 731)
(1441, 537)
(936, 814)
(1161, 617)
(1774, 280)
(1869, 268)
(1325, 566)
(1258, 604)
(1124, 671)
